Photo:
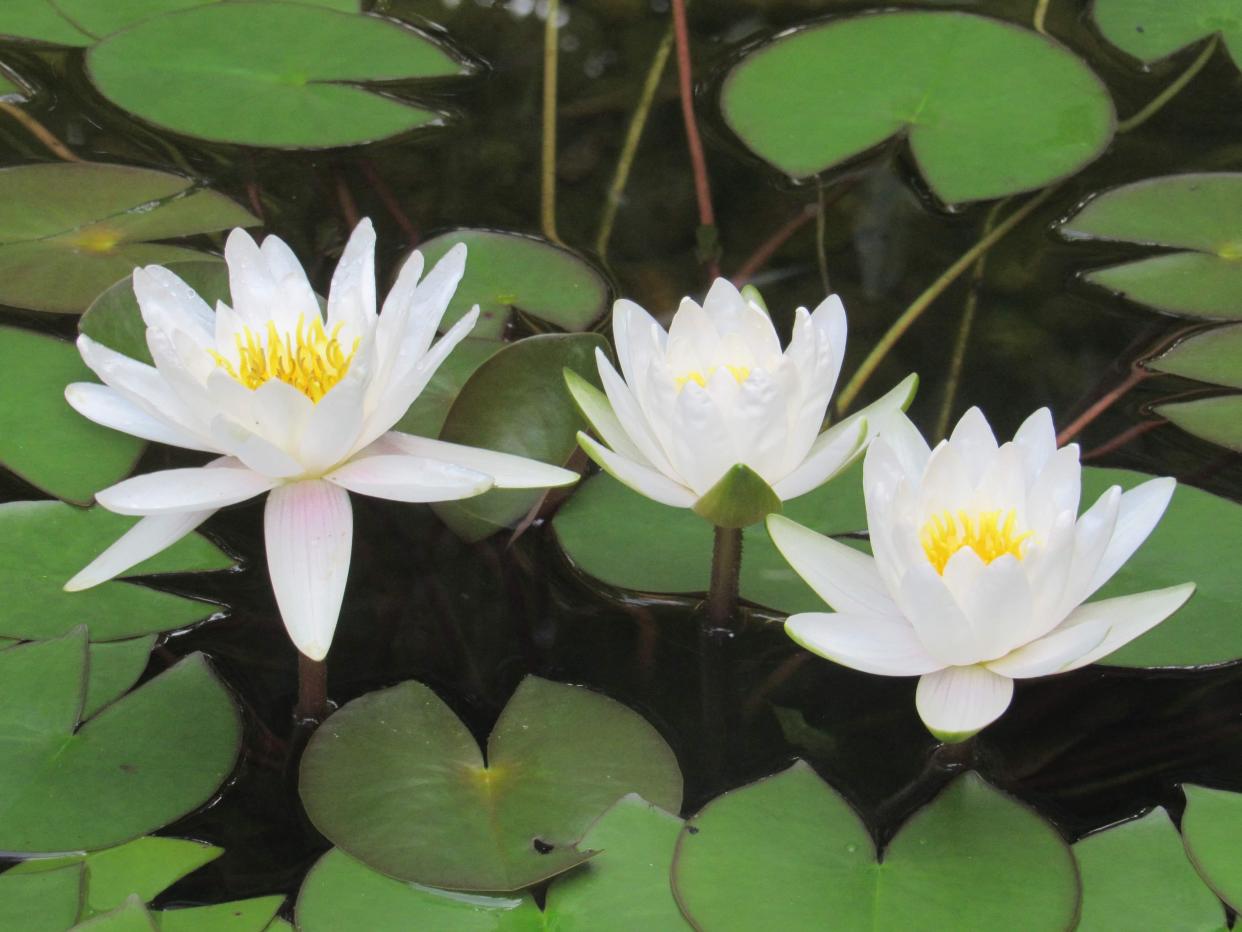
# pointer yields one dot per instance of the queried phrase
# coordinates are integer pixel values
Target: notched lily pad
(398, 782)
(48, 901)
(1211, 356)
(512, 271)
(1196, 212)
(300, 69)
(46, 543)
(1217, 419)
(989, 108)
(788, 852)
(1154, 29)
(141, 763)
(70, 231)
(1210, 827)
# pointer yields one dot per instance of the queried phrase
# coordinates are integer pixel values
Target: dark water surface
(1087, 748)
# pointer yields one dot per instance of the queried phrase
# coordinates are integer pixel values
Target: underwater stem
(698, 161)
(821, 233)
(726, 570)
(932, 292)
(625, 161)
(768, 247)
(1041, 13)
(1103, 403)
(40, 132)
(1175, 87)
(547, 190)
(1119, 441)
(312, 690)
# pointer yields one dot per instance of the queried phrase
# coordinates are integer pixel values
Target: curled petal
(957, 702)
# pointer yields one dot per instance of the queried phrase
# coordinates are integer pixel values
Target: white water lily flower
(716, 391)
(981, 567)
(292, 404)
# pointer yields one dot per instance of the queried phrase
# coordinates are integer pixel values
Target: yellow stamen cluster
(310, 359)
(699, 378)
(990, 534)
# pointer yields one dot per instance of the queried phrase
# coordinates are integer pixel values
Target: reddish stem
(1102, 404)
(759, 258)
(698, 161)
(345, 197)
(390, 202)
(1122, 439)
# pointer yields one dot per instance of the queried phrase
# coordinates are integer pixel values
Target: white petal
(632, 329)
(903, 440)
(596, 408)
(250, 284)
(149, 536)
(995, 599)
(333, 426)
(829, 319)
(642, 479)
(139, 383)
(108, 407)
(255, 452)
(843, 577)
(1052, 653)
(870, 643)
(957, 702)
(403, 478)
(351, 296)
(831, 452)
(1092, 533)
(167, 303)
(974, 442)
(936, 616)
(1056, 491)
(309, 527)
(1037, 438)
(1126, 617)
(1138, 512)
(630, 417)
(179, 490)
(507, 470)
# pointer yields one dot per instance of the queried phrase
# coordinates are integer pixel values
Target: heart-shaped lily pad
(46, 543)
(1210, 828)
(1211, 356)
(44, 440)
(1136, 876)
(427, 414)
(1196, 212)
(397, 781)
(297, 67)
(70, 231)
(624, 887)
(989, 108)
(141, 763)
(47, 901)
(1217, 419)
(113, 668)
(626, 540)
(509, 272)
(789, 853)
(82, 22)
(1154, 29)
(516, 402)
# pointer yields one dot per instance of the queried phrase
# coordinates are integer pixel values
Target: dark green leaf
(1154, 29)
(252, 915)
(1211, 826)
(1217, 419)
(44, 902)
(1211, 356)
(114, 667)
(426, 416)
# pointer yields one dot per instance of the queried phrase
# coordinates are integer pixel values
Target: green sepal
(751, 294)
(741, 498)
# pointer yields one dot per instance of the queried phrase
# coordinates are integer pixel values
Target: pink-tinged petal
(179, 490)
(957, 702)
(309, 528)
(974, 443)
(870, 643)
(404, 478)
(351, 296)
(642, 479)
(506, 470)
(845, 578)
(1052, 653)
(108, 407)
(1138, 512)
(1126, 617)
(149, 536)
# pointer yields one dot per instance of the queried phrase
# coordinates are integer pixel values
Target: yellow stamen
(699, 378)
(310, 359)
(990, 534)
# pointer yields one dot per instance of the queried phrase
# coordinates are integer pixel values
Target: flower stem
(547, 191)
(1041, 13)
(931, 293)
(1102, 404)
(634, 133)
(759, 258)
(39, 131)
(726, 569)
(698, 161)
(312, 690)
(821, 233)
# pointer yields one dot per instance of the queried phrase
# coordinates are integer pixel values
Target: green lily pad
(82, 22)
(141, 763)
(1196, 212)
(297, 67)
(788, 852)
(114, 667)
(426, 416)
(623, 888)
(253, 915)
(115, 320)
(132, 917)
(516, 402)
(989, 108)
(1217, 419)
(398, 782)
(46, 543)
(626, 540)
(47, 901)
(1154, 29)
(1136, 876)
(511, 271)
(1210, 828)
(1206, 630)
(42, 439)
(1211, 356)
(70, 231)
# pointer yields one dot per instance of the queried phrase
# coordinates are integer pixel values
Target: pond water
(1086, 749)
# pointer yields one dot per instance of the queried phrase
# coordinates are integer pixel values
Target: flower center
(990, 534)
(699, 377)
(310, 359)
